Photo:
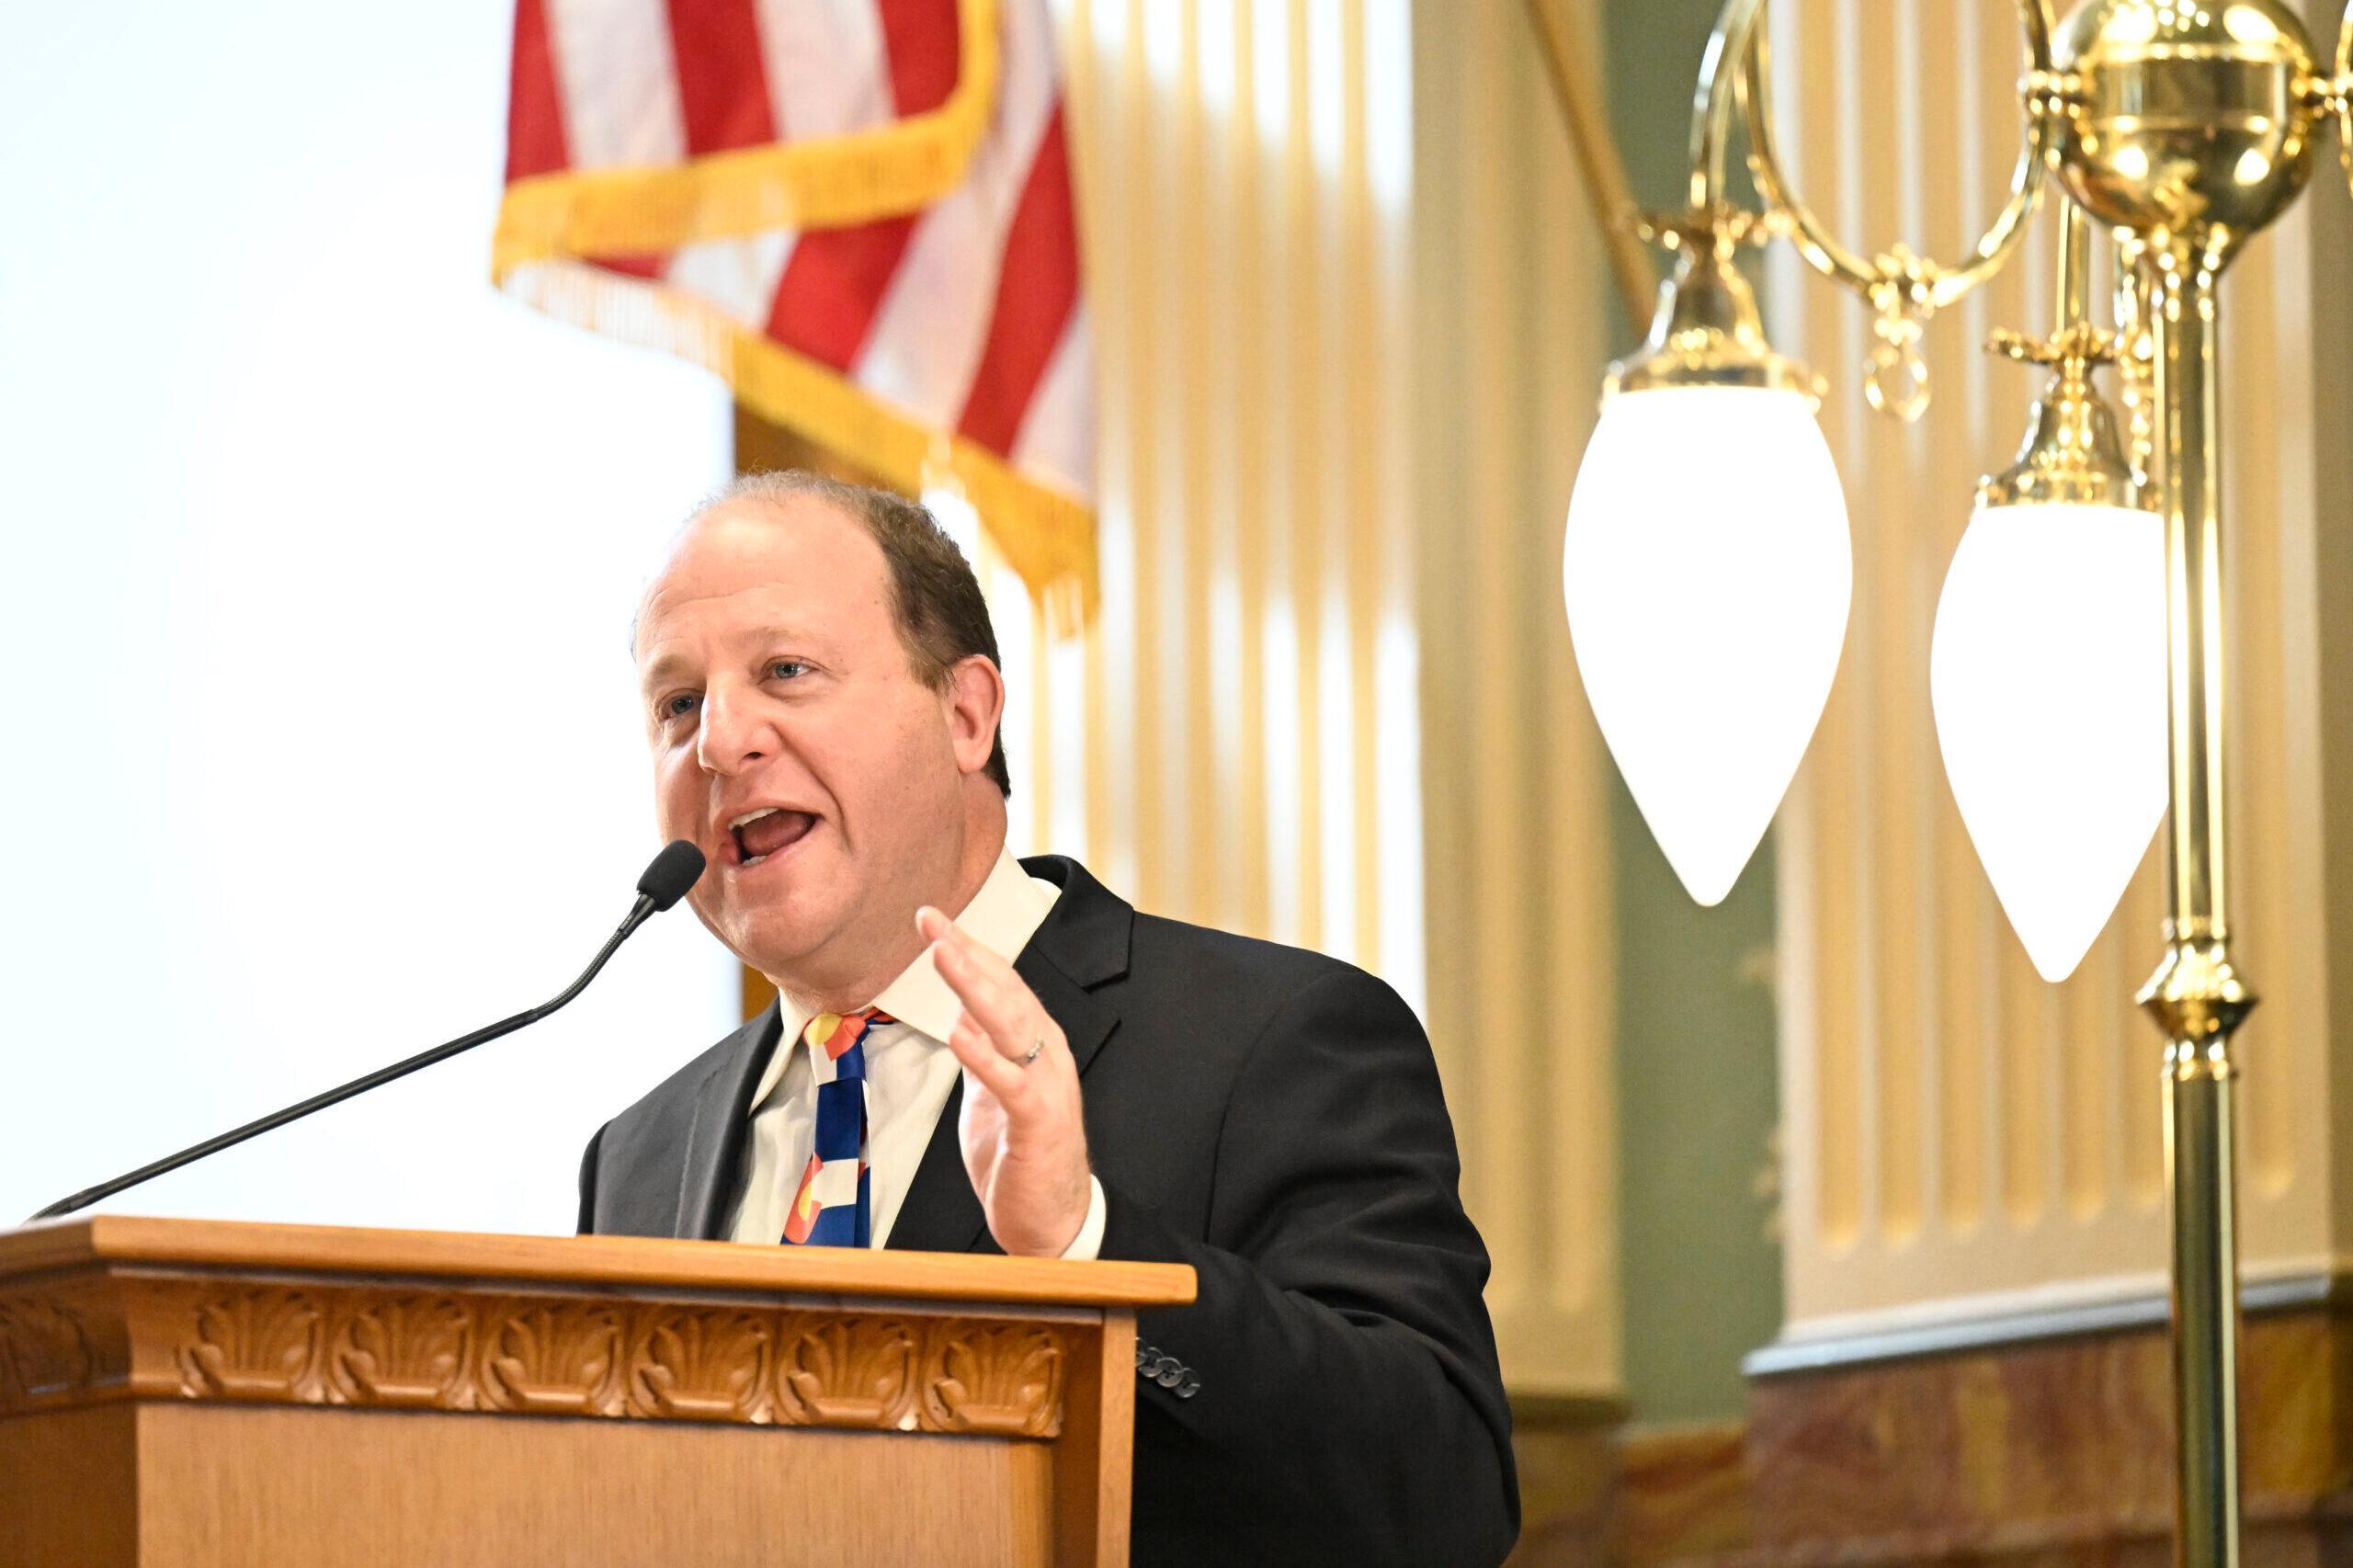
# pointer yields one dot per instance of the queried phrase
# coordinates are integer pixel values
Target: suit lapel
(1087, 1019)
(715, 1141)
(942, 1212)
(1083, 944)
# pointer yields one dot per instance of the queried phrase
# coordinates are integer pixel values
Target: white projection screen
(319, 560)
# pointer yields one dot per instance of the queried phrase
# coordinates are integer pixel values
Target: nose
(733, 733)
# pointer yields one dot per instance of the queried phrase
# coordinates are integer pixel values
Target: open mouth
(771, 830)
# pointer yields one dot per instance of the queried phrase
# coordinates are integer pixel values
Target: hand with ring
(1022, 1127)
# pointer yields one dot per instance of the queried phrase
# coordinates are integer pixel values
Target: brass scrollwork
(1903, 289)
(1903, 297)
(1897, 380)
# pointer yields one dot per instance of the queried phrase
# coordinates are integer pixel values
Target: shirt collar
(1002, 917)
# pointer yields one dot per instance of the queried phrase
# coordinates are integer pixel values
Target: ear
(974, 704)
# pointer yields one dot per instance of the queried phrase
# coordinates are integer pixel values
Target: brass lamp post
(2183, 127)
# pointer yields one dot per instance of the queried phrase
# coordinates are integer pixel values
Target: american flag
(859, 211)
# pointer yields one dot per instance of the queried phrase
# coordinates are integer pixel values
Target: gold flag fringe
(834, 181)
(1045, 534)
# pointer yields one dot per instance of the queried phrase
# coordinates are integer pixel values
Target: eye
(786, 670)
(678, 705)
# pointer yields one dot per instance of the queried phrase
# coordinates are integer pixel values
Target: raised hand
(1024, 1137)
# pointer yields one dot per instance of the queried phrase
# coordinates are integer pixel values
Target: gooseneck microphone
(666, 881)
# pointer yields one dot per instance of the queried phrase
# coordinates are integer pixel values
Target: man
(822, 696)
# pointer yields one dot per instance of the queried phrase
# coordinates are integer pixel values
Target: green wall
(1694, 1052)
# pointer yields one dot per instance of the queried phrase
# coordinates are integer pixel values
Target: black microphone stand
(645, 908)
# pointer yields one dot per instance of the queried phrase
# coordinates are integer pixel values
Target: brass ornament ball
(2189, 120)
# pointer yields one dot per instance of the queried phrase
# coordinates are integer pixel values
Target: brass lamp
(1708, 614)
(2046, 665)
(2182, 127)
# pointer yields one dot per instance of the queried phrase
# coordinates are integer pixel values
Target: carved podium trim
(46, 1354)
(340, 1343)
(117, 1308)
(166, 1388)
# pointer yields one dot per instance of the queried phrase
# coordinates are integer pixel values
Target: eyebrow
(661, 670)
(658, 672)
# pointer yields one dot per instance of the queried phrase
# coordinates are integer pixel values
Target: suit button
(1145, 1357)
(1189, 1386)
(1170, 1374)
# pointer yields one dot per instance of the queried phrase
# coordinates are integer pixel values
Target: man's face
(794, 743)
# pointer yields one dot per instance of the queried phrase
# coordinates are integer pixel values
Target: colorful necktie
(832, 1208)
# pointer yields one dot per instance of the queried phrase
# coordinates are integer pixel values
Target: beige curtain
(1348, 307)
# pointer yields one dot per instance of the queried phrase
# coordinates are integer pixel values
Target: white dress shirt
(910, 1072)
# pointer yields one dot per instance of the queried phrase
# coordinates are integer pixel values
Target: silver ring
(1034, 1051)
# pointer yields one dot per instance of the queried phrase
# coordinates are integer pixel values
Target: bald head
(821, 700)
(935, 601)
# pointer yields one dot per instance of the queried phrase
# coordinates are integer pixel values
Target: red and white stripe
(968, 316)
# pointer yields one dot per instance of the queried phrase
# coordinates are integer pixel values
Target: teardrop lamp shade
(2047, 673)
(1707, 572)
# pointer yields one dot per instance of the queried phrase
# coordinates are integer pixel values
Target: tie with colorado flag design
(832, 1208)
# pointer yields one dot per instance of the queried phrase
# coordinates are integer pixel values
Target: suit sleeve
(1337, 1370)
(589, 1184)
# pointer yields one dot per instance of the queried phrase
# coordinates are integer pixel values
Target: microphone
(664, 882)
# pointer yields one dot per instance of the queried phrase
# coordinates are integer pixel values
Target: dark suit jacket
(1272, 1117)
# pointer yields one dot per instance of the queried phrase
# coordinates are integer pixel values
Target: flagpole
(1576, 90)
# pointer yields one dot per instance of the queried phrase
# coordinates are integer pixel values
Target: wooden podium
(187, 1394)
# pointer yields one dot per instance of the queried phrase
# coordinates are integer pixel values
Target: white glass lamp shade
(2047, 673)
(1707, 572)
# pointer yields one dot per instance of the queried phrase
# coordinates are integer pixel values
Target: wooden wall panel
(1511, 285)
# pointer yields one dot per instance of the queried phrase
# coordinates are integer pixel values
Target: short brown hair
(943, 619)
